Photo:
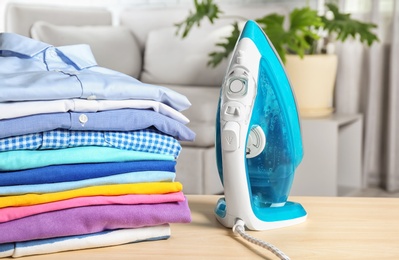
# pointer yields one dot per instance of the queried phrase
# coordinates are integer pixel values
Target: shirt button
(92, 97)
(83, 118)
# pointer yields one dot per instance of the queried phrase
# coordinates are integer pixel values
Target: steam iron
(258, 138)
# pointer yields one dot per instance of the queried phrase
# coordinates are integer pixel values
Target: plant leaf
(206, 8)
(302, 36)
(344, 26)
(304, 18)
(299, 36)
(227, 45)
(273, 26)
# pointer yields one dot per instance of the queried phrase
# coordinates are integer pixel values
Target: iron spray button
(230, 136)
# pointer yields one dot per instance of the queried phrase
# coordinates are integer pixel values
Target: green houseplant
(308, 37)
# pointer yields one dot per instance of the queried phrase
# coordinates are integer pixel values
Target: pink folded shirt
(12, 213)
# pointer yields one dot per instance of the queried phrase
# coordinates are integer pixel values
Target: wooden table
(337, 228)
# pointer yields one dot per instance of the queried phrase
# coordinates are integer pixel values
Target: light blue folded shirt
(20, 160)
(111, 120)
(131, 177)
(33, 70)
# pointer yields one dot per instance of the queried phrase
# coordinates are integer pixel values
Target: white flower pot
(313, 81)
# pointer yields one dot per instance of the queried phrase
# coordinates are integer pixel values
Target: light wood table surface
(336, 228)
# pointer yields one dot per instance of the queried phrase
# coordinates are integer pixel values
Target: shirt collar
(21, 45)
(80, 54)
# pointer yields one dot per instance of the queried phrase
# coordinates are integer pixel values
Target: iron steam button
(232, 110)
(236, 86)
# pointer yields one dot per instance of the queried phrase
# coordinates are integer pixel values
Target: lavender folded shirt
(91, 219)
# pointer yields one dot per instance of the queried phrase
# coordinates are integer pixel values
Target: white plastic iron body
(258, 140)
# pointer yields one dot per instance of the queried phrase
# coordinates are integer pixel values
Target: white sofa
(141, 42)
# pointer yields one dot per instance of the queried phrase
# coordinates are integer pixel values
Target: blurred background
(366, 82)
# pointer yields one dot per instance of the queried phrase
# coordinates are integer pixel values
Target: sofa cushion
(202, 113)
(113, 47)
(172, 60)
(20, 16)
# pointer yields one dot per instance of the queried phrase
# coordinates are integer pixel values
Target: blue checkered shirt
(147, 140)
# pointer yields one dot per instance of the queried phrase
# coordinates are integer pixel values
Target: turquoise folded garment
(100, 239)
(133, 177)
(20, 160)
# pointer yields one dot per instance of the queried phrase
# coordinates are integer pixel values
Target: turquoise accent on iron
(276, 73)
(220, 208)
(218, 145)
(271, 173)
(291, 210)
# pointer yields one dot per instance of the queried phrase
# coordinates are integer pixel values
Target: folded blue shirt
(76, 172)
(124, 178)
(33, 70)
(147, 140)
(111, 120)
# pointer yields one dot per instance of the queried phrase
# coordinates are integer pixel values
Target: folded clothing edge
(95, 240)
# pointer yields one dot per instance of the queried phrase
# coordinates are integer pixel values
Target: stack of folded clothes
(87, 154)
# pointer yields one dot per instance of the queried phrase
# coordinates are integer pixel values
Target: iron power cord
(239, 228)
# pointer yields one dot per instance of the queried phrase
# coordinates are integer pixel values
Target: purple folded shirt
(91, 219)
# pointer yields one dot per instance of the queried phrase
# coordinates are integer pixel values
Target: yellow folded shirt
(106, 190)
